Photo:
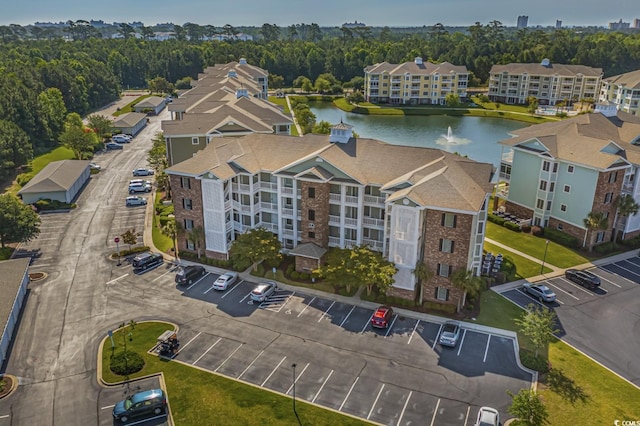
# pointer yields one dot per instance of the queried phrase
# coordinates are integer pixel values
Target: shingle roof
(129, 119)
(56, 176)
(413, 68)
(150, 102)
(630, 80)
(583, 139)
(11, 274)
(450, 181)
(552, 69)
(310, 250)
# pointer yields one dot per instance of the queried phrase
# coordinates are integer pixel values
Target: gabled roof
(551, 69)
(414, 68)
(449, 181)
(309, 250)
(129, 119)
(630, 80)
(585, 139)
(150, 102)
(12, 272)
(56, 176)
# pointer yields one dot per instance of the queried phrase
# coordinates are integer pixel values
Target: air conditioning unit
(312, 225)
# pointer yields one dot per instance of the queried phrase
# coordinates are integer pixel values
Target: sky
(325, 13)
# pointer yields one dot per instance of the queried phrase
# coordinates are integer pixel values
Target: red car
(382, 317)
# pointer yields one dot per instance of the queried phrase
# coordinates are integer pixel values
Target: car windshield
(547, 291)
(449, 329)
(127, 403)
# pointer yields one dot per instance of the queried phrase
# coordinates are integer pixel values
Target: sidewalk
(525, 255)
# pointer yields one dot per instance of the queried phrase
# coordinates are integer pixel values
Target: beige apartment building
(623, 91)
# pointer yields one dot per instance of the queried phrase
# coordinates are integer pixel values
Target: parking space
(108, 397)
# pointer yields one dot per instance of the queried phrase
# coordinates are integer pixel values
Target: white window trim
(563, 208)
(442, 293)
(195, 140)
(570, 168)
(566, 188)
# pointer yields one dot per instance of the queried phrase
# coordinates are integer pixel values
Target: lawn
(557, 255)
(524, 268)
(320, 285)
(40, 162)
(197, 397)
(586, 393)
(130, 105)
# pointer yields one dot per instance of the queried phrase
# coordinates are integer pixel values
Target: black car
(189, 274)
(584, 278)
(146, 261)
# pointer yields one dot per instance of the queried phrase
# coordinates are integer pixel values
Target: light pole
(544, 258)
(293, 366)
(117, 240)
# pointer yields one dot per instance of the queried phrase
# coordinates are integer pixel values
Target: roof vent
(546, 63)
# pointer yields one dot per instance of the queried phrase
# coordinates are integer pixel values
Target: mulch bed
(7, 387)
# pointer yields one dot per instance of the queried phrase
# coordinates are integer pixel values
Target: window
(552, 186)
(186, 204)
(543, 185)
(613, 176)
(560, 227)
(567, 188)
(555, 167)
(312, 192)
(188, 224)
(190, 245)
(442, 293)
(563, 207)
(608, 197)
(540, 203)
(605, 215)
(548, 205)
(449, 220)
(444, 270)
(545, 166)
(351, 191)
(185, 182)
(446, 246)
(311, 235)
(312, 215)
(600, 237)
(195, 141)
(569, 169)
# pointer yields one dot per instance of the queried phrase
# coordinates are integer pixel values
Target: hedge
(496, 219)
(47, 204)
(561, 238)
(512, 226)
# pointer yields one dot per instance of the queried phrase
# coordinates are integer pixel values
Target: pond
(474, 137)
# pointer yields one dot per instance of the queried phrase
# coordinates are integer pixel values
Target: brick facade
(608, 189)
(434, 232)
(307, 264)
(568, 229)
(402, 293)
(187, 188)
(518, 210)
(317, 230)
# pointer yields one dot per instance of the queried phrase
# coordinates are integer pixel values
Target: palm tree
(469, 284)
(197, 236)
(595, 221)
(423, 274)
(170, 229)
(625, 206)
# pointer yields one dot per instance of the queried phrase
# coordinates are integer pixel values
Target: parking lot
(110, 396)
(603, 322)
(398, 376)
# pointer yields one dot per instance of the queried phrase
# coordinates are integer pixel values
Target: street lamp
(294, 392)
(546, 246)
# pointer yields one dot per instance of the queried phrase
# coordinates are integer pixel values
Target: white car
(120, 139)
(136, 201)
(225, 280)
(139, 187)
(94, 166)
(143, 171)
(488, 416)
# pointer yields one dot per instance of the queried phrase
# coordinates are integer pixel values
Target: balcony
(350, 199)
(369, 221)
(288, 233)
(350, 221)
(288, 212)
(372, 199)
(240, 187)
(227, 205)
(269, 206)
(334, 241)
(271, 186)
(373, 244)
(273, 227)
(335, 197)
(334, 220)
(287, 190)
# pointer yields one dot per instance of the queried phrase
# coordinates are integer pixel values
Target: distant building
(636, 24)
(623, 91)
(354, 24)
(523, 21)
(558, 23)
(619, 25)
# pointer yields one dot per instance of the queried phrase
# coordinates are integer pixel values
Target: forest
(44, 79)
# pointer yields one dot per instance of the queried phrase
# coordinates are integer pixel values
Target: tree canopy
(18, 222)
(257, 245)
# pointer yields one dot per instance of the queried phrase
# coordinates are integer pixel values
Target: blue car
(112, 145)
(141, 405)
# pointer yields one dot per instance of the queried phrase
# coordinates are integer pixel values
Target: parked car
(146, 261)
(584, 278)
(120, 139)
(139, 187)
(143, 171)
(539, 291)
(450, 334)
(112, 145)
(139, 182)
(488, 416)
(382, 317)
(189, 274)
(225, 280)
(263, 291)
(136, 200)
(141, 405)
(94, 166)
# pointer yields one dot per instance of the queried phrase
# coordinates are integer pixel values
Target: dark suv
(189, 274)
(145, 261)
(142, 405)
(584, 278)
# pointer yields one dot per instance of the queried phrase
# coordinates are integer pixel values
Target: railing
(269, 185)
(273, 227)
(268, 206)
(287, 212)
(287, 190)
(369, 221)
(350, 221)
(240, 187)
(334, 197)
(227, 205)
(374, 244)
(373, 199)
(334, 241)
(287, 233)
(350, 199)
(334, 220)
(350, 243)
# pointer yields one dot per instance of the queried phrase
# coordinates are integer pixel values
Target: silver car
(135, 200)
(225, 280)
(487, 416)
(450, 334)
(263, 291)
(540, 292)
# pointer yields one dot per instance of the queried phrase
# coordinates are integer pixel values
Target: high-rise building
(523, 21)
(619, 25)
(558, 23)
(636, 23)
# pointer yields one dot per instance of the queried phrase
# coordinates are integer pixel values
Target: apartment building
(320, 191)
(549, 83)
(557, 173)
(623, 91)
(414, 82)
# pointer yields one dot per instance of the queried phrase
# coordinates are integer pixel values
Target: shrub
(290, 269)
(295, 275)
(512, 226)
(23, 178)
(530, 360)
(47, 204)
(526, 228)
(133, 250)
(240, 264)
(305, 276)
(561, 238)
(443, 307)
(605, 248)
(260, 271)
(163, 220)
(126, 363)
(632, 243)
(496, 219)
(537, 231)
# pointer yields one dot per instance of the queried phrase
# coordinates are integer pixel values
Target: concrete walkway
(525, 255)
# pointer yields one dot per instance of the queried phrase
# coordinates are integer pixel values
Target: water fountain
(449, 139)
(449, 136)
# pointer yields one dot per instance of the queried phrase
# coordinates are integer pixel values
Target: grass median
(200, 397)
(523, 267)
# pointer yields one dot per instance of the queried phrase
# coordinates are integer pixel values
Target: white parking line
(412, 333)
(576, 286)
(436, 341)
(116, 279)
(404, 408)
(231, 289)
(375, 402)
(345, 318)
(534, 300)
(296, 380)
(348, 393)
(366, 324)
(321, 387)
(205, 352)
(208, 290)
(395, 317)
(227, 359)
(274, 370)
(435, 412)
(157, 278)
(187, 344)
(106, 407)
(242, 300)
(565, 292)
(466, 418)
(189, 288)
(603, 278)
(464, 333)
(325, 312)
(486, 351)
(306, 306)
(622, 267)
(249, 366)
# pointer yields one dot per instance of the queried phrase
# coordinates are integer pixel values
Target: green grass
(598, 395)
(161, 241)
(197, 397)
(525, 268)
(318, 285)
(557, 255)
(129, 107)
(5, 253)
(40, 162)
